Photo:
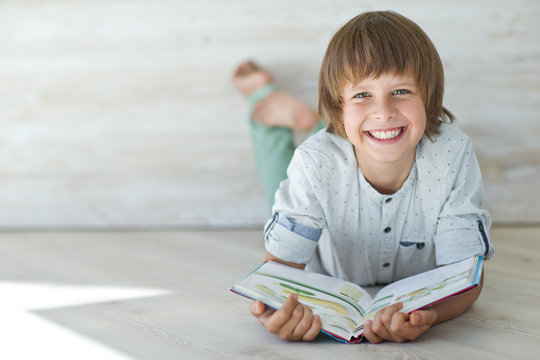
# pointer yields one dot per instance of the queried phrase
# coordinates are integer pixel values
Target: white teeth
(386, 135)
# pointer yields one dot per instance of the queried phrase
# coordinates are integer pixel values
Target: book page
(423, 289)
(340, 304)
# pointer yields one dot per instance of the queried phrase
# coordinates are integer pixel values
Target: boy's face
(384, 119)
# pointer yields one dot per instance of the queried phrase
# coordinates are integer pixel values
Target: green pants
(273, 146)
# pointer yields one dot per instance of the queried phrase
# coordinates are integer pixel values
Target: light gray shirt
(328, 216)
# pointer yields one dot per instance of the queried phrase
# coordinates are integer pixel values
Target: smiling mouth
(387, 134)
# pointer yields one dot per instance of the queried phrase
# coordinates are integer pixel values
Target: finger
(257, 308)
(370, 335)
(404, 330)
(395, 307)
(379, 327)
(423, 317)
(314, 330)
(382, 322)
(281, 316)
(388, 312)
(262, 313)
(286, 331)
(303, 326)
(400, 327)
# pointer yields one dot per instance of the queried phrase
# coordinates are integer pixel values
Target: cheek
(417, 113)
(352, 116)
(351, 123)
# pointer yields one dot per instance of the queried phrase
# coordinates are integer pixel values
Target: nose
(383, 110)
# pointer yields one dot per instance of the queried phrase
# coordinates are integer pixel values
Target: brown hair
(375, 43)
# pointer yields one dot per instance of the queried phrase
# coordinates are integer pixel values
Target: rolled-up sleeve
(292, 234)
(287, 243)
(462, 228)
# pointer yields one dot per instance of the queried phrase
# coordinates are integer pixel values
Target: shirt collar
(374, 195)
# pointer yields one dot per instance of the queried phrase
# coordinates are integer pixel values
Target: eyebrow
(401, 84)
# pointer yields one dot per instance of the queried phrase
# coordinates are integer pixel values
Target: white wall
(120, 113)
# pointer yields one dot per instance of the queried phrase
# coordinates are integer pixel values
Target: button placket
(388, 212)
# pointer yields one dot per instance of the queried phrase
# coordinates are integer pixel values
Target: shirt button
(387, 230)
(388, 200)
(386, 264)
(420, 245)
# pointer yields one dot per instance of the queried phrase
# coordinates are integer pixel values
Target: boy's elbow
(478, 289)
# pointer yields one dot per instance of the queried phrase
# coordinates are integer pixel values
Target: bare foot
(248, 77)
(278, 108)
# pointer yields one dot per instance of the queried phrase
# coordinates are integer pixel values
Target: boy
(388, 190)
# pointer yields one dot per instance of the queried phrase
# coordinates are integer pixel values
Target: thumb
(423, 317)
(257, 308)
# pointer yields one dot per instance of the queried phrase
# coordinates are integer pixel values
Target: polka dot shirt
(328, 216)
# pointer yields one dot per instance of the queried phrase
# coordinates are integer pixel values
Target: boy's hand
(391, 325)
(293, 321)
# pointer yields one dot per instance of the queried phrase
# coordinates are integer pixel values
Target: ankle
(260, 94)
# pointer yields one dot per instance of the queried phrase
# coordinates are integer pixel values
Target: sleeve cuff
(452, 246)
(288, 245)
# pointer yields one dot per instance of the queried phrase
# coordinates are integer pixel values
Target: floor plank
(164, 295)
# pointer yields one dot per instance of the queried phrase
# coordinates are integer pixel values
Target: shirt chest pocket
(415, 256)
(419, 245)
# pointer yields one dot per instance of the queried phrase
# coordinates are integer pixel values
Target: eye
(361, 95)
(401, 92)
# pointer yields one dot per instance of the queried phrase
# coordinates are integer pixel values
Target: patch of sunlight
(27, 336)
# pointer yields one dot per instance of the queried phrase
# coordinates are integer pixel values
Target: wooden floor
(164, 295)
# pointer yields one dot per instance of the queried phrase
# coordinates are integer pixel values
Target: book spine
(340, 339)
(478, 271)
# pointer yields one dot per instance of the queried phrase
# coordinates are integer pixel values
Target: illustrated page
(340, 305)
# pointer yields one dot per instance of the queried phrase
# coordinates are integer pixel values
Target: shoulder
(325, 142)
(450, 136)
(445, 147)
(327, 150)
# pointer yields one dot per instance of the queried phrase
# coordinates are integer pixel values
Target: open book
(344, 306)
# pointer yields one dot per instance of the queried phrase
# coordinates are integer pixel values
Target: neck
(386, 177)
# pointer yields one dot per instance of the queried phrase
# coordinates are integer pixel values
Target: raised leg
(274, 115)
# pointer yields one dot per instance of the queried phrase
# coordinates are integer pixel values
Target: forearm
(456, 305)
(272, 257)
